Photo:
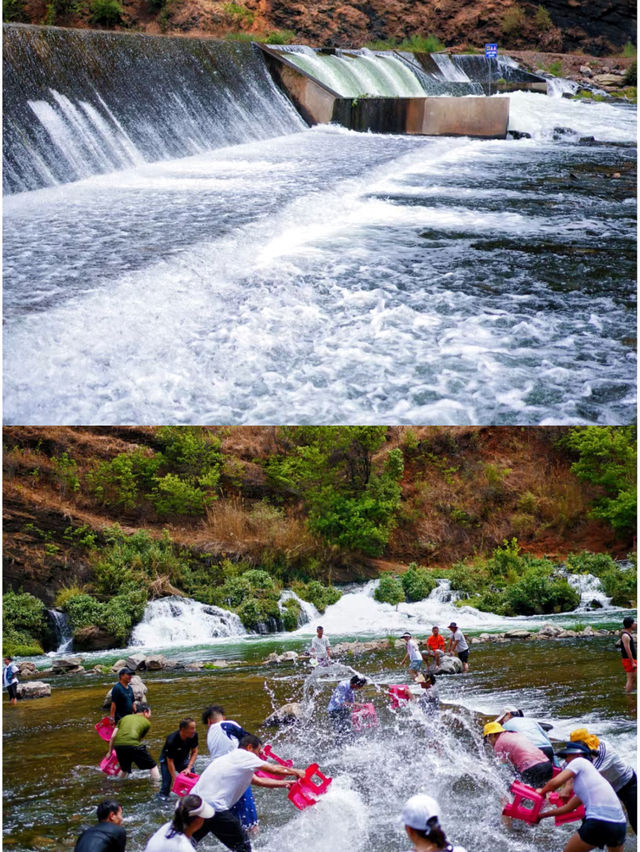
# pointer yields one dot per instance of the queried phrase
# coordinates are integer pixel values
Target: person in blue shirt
(514, 720)
(122, 700)
(341, 705)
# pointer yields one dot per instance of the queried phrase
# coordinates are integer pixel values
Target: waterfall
(183, 621)
(84, 102)
(558, 86)
(592, 595)
(61, 630)
(307, 610)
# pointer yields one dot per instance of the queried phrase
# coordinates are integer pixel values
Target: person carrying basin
(612, 767)
(420, 817)
(341, 704)
(531, 764)
(629, 655)
(223, 736)
(320, 647)
(224, 781)
(604, 823)
(412, 654)
(514, 720)
(108, 835)
(178, 753)
(126, 741)
(175, 836)
(122, 700)
(459, 645)
(429, 700)
(10, 679)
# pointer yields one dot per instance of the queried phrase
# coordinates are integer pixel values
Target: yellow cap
(582, 735)
(492, 728)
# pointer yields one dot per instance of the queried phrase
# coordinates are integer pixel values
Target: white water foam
(182, 621)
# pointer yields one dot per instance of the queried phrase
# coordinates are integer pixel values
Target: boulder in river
(550, 630)
(136, 661)
(34, 689)
(518, 634)
(27, 670)
(67, 665)
(288, 714)
(119, 664)
(155, 662)
(92, 638)
(450, 665)
(288, 656)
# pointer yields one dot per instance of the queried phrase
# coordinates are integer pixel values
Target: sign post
(490, 52)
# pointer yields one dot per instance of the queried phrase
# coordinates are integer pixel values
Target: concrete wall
(480, 117)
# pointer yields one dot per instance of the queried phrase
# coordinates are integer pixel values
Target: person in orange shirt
(435, 647)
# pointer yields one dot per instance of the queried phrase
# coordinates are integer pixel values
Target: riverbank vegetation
(99, 521)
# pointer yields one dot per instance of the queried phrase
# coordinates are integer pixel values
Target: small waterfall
(183, 621)
(558, 86)
(61, 630)
(592, 595)
(443, 592)
(450, 70)
(307, 610)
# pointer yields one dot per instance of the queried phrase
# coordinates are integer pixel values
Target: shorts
(463, 656)
(598, 832)
(538, 774)
(12, 689)
(134, 754)
(628, 665)
(415, 665)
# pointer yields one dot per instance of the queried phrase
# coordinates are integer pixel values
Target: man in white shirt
(459, 645)
(320, 648)
(224, 781)
(414, 655)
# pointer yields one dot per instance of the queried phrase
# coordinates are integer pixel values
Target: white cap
(206, 811)
(418, 810)
(510, 709)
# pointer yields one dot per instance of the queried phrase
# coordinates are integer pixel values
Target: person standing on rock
(629, 656)
(435, 647)
(412, 654)
(320, 647)
(178, 753)
(224, 781)
(458, 645)
(10, 679)
(122, 700)
(108, 835)
(126, 740)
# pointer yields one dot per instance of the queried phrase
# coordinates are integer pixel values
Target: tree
(389, 590)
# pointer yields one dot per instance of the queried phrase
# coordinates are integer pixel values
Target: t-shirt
(612, 767)
(414, 651)
(458, 637)
(519, 750)
(103, 837)
(320, 647)
(632, 646)
(122, 697)
(596, 794)
(159, 842)
(435, 643)
(9, 674)
(178, 749)
(223, 737)
(530, 729)
(132, 730)
(224, 780)
(342, 694)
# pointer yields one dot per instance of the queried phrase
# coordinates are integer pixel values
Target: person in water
(435, 647)
(412, 654)
(420, 816)
(223, 736)
(604, 823)
(126, 741)
(122, 700)
(10, 679)
(108, 835)
(531, 764)
(175, 836)
(320, 647)
(178, 753)
(629, 656)
(612, 767)
(429, 700)
(341, 705)
(459, 645)
(514, 720)
(224, 781)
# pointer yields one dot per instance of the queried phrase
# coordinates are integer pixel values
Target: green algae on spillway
(51, 751)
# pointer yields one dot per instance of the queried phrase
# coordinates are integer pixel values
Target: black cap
(575, 748)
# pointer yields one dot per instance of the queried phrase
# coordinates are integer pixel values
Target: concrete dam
(80, 102)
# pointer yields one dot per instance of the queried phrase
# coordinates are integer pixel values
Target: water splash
(182, 621)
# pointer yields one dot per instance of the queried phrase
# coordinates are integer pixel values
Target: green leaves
(389, 590)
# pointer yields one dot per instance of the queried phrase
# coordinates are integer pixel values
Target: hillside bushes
(24, 624)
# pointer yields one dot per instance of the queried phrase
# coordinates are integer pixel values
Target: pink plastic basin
(267, 753)
(306, 791)
(364, 716)
(105, 728)
(109, 764)
(400, 694)
(183, 783)
(518, 809)
(558, 801)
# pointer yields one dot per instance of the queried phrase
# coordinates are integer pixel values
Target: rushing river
(52, 784)
(328, 276)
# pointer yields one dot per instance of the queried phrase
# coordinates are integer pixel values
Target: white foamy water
(333, 277)
(590, 590)
(182, 621)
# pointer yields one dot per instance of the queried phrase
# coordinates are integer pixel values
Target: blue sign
(491, 51)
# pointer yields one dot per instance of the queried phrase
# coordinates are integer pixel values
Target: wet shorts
(12, 689)
(415, 665)
(463, 655)
(597, 832)
(134, 754)
(628, 665)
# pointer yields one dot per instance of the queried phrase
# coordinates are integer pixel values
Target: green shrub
(513, 21)
(121, 613)
(16, 646)
(389, 590)
(281, 37)
(537, 592)
(629, 50)
(590, 563)
(528, 503)
(543, 19)
(238, 14)
(192, 452)
(82, 611)
(106, 13)
(555, 68)
(14, 10)
(317, 594)
(417, 583)
(173, 496)
(259, 580)
(133, 561)
(422, 44)
(66, 473)
(468, 578)
(23, 613)
(65, 593)
(292, 610)
(233, 592)
(631, 75)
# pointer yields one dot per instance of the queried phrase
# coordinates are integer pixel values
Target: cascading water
(592, 595)
(82, 102)
(307, 610)
(182, 621)
(62, 630)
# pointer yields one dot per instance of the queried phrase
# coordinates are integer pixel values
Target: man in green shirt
(126, 740)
